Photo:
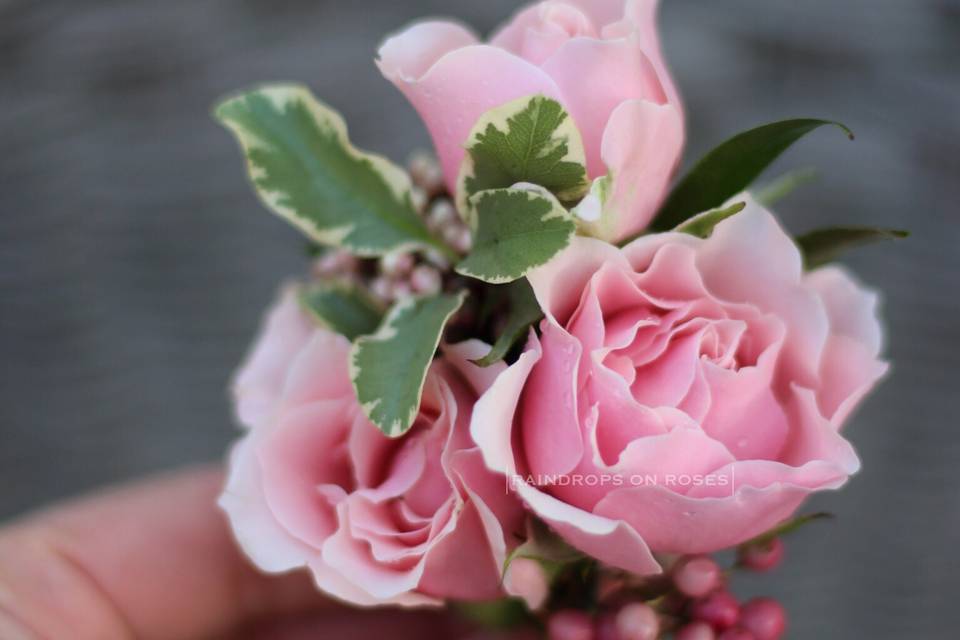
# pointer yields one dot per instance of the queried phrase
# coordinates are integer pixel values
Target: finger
(152, 560)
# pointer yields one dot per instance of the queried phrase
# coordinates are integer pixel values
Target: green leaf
(305, 169)
(341, 307)
(786, 527)
(518, 229)
(524, 311)
(823, 245)
(731, 167)
(784, 185)
(531, 139)
(702, 225)
(389, 368)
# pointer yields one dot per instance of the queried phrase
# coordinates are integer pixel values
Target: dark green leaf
(518, 229)
(389, 367)
(783, 185)
(306, 170)
(342, 308)
(524, 311)
(823, 245)
(731, 167)
(531, 139)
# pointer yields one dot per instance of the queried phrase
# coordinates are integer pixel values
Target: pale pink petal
(749, 258)
(851, 307)
(409, 54)
(320, 371)
(265, 541)
(464, 551)
(671, 522)
(259, 381)
(848, 371)
(609, 540)
(459, 88)
(559, 283)
(641, 15)
(549, 398)
(461, 355)
(303, 453)
(812, 436)
(335, 584)
(642, 144)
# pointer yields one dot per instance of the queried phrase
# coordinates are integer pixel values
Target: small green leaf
(531, 139)
(518, 229)
(389, 368)
(305, 169)
(731, 167)
(524, 311)
(546, 548)
(823, 245)
(786, 527)
(702, 225)
(784, 185)
(341, 307)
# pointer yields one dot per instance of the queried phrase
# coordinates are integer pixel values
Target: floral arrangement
(538, 379)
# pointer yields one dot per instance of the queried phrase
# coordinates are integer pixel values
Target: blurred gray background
(135, 262)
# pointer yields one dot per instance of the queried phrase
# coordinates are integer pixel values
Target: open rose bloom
(685, 394)
(377, 520)
(649, 398)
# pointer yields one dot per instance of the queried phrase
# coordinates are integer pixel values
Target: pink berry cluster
(404, 273)
(694, 603)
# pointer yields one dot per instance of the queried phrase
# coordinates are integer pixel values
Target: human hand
(155, 560)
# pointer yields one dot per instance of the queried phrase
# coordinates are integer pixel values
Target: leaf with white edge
(784, 185)
(531, 139)
(389, 367)
(341, 307)
(702, 225)
(518, 229)
(305, 169)
(523, 312)
(731, 167)
(823, 245)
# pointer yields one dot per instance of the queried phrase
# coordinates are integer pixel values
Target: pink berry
(764, 617)
(606, 628)
(762, 557)
(719, 609)
(425, 279)
(696, 576)
(570, 625)
(637, 621)
(695, 631)
(736, 633)
(396, 263)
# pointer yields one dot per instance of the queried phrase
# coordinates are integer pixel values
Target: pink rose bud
(697, 576)
(601, 60)
(570, 625)
(637, 621)
(762, 557)
(526, 579)
(696, 631)
(764, 617)
(736, 633)
(719, 609)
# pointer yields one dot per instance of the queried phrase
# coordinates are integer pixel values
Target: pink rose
(685, 394)
(377, 520)
(600, 58)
